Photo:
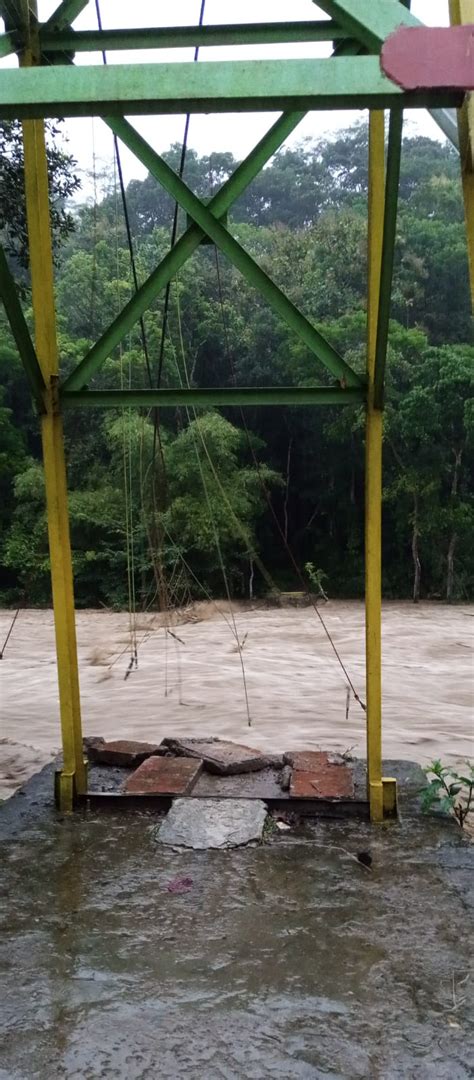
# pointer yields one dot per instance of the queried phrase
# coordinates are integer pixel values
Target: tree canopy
(194, 503)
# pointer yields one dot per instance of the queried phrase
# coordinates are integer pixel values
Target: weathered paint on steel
(462, 11)
(170, 37)
(73, 773)
(187, 243)
(373, 476)
(65, 14)
(257, 277)
(7, 44)
(388, 251)
(425, 57)
(245, 395)
(367, 21)
(223, 86)
(21, 333)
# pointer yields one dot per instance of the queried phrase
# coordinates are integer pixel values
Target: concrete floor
(283, 960)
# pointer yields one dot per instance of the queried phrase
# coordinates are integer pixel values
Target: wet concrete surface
(283, 960)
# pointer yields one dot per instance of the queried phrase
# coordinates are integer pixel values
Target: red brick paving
(164, 776)
(315, 776)
(306, 760)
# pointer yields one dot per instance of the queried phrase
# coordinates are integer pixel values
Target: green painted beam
(371, 23)
(222, 201)
(179, 37)
(15, 13)
(184, 247)
(246, 395)
(21, 332)
(388, 251)
(254, 274)
(65, 14)
(367, 21)
(7, 44)
(447, 122)
(340, 82)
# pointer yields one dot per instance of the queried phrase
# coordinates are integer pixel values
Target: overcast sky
(237, 133)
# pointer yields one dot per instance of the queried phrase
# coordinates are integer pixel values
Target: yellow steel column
(72, 779)
(462, 11)
(373, 476)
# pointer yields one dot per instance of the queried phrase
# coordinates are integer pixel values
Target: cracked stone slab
(125, 752)
(212, 823)
(223, 757)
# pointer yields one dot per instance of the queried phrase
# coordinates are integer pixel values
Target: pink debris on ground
(180, 885)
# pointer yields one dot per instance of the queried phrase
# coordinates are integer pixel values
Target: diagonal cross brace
(21, 332)
(65, 14)
(371, 23)
(184, 247)
(213, 228)
(367, 21)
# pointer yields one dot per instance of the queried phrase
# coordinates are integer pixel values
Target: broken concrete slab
(92, 742)
(263, 784)
(285, 778)
(164, 776)
(212, 823)
(124, 752)
(222, 757)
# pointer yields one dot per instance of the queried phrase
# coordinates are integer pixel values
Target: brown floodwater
(191, 683)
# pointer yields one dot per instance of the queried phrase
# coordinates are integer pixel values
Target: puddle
(282, 960)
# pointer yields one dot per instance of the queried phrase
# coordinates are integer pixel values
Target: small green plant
(449, 791)
(316, 578)
(269, 829)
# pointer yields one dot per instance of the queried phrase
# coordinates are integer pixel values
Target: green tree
(63, 182)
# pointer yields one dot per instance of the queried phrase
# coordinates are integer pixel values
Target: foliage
(182, 489)
(316, 578)
(449, 791)
(214, 501)
(63, 183)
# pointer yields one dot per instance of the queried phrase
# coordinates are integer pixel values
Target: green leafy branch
(316, 577)
(449, 791)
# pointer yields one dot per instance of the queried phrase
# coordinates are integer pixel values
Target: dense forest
(166, 506)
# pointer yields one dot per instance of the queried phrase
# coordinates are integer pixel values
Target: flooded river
(190, 681)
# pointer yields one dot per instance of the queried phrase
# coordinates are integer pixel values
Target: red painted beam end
(430, 58)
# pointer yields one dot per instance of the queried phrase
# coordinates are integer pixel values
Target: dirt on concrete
(191, 684)
(123, 959)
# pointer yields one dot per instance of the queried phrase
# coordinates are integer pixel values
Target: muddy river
(189, 680)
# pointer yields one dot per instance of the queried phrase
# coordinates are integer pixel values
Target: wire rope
(268, 499)
(210, 511)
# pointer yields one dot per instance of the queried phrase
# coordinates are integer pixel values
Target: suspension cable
(209, 509)
(127, 219)
(174, 229)
(5, 643)
(268, 499)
